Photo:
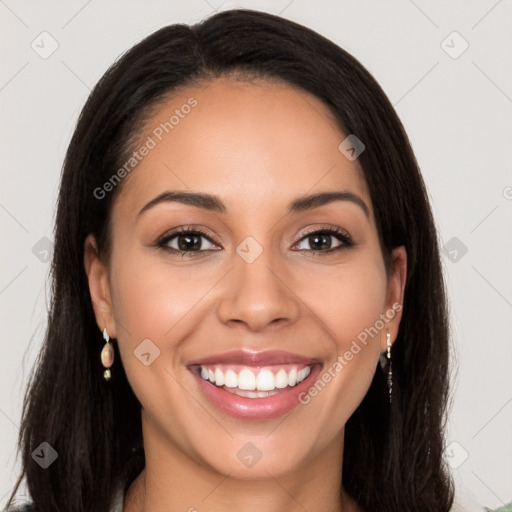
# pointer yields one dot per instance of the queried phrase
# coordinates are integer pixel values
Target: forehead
(250, 143)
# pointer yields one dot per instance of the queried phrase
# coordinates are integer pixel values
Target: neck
(195, 487)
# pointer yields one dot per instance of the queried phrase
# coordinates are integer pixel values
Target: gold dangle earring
(390, 371)
(107, 355)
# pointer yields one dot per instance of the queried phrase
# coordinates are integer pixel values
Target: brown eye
(322, 240)
(186, 242)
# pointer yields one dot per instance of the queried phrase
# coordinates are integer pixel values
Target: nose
(258, 295)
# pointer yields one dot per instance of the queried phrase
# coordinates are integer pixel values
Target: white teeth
(230, 379)
(302, 374)
(219, 378)
(265, 381)
(247, 381)
(252, 394)
(281, 379)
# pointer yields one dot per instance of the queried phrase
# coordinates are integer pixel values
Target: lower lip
(256, 408)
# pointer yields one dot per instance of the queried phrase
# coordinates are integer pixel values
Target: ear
(99, 287)
(395, 296)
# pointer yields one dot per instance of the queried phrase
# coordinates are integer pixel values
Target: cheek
(348, 299)
(161, 302)
(148, 303)
(347, 304)
(152, 296)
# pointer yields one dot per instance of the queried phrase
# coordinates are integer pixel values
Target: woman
(242, 236)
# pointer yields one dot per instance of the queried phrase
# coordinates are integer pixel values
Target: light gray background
(457, 112)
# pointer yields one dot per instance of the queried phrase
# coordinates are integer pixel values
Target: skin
(258, 146)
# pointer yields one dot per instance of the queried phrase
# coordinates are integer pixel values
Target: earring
(107, 355)
(390, 371)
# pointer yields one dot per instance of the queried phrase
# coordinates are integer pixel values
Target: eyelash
(338, 233)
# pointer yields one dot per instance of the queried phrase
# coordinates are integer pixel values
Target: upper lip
(252, 358)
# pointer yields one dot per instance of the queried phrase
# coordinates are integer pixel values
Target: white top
(119, 501)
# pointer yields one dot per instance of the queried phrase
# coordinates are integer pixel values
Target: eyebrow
(214, 203)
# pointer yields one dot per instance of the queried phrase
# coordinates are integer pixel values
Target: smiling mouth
(253, 382)
(254, 385)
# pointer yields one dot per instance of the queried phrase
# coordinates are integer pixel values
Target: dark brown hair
(393, 453)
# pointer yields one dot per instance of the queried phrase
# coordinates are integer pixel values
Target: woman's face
(254, 296)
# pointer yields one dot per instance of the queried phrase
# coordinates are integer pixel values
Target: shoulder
(27, 507)
(466, 502)
(504, 508)
(30, 506)
(473, 507)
